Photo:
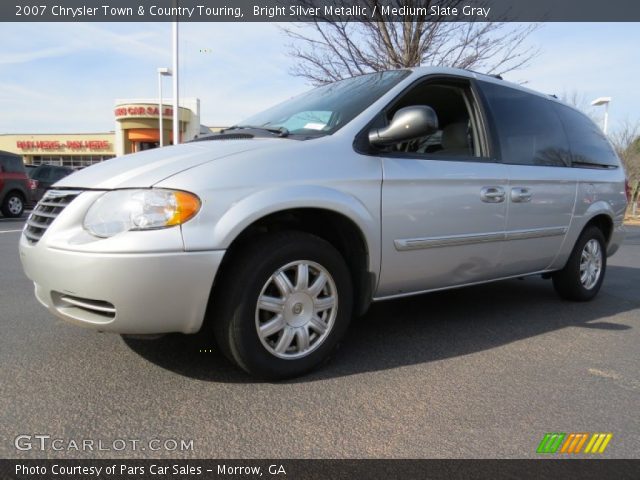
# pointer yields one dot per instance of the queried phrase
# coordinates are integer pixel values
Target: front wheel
(582, 276)
(284, 304)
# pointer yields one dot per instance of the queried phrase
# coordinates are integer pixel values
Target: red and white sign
(142, 111)
(75, 145)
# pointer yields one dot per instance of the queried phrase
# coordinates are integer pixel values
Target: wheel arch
(346, 233)
(604, 222)
(599, 214)
(11, 190)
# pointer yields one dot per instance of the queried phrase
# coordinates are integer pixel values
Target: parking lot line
(10, 231)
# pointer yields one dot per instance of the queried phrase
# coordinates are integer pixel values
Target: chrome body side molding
(457, 240)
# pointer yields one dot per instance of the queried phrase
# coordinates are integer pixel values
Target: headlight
(122, 210)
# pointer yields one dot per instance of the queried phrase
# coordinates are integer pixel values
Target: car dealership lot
(477, 372)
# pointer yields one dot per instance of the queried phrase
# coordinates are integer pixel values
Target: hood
(144, 169)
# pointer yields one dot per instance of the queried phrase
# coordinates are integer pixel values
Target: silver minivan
(276, 231)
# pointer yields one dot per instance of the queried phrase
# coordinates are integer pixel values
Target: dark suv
(47, 175)
(16, 188)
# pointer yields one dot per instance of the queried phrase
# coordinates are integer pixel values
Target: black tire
(250, 271)
(13, 205)
(567, 282)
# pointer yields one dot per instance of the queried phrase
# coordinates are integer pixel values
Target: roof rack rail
(494, 75)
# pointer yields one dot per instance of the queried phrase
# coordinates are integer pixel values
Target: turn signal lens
(187, 205)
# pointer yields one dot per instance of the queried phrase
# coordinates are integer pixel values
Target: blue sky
(65, 77)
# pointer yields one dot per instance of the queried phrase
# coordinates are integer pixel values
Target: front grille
(46, 211)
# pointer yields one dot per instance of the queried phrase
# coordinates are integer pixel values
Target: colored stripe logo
(550, 442)
(556, 442)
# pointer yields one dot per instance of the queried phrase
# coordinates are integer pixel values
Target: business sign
(128, 111)
(58, 145)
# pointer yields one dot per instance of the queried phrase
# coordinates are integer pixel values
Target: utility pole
(176, 102)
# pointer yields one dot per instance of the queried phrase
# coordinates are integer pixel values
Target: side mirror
(407, 123)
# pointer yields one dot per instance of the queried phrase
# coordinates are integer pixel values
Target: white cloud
(139, 43)
(62, 40)
(24, 57)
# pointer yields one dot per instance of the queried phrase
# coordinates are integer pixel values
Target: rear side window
(589, 146)
(42, 173)
(59, 173)
(529, 130)
(11, 164)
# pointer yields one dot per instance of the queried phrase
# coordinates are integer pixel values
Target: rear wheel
(284, 304)
(13, 205)
(582, 276)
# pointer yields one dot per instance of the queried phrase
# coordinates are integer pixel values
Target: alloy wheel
(15, 205)
(296, 309)
(590, 264)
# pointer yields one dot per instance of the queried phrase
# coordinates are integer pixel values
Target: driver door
(443, 197)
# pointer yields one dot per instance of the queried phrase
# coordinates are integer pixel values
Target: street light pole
(176, 103)
(599, 102)
(162, 71)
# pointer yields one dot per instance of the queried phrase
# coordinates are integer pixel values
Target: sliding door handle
(492, 194)
(521, 195)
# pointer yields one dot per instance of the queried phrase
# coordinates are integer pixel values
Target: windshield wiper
(280, 131)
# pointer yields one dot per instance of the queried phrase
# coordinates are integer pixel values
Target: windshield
(325, 109)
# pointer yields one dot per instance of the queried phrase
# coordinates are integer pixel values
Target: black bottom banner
(318, 469)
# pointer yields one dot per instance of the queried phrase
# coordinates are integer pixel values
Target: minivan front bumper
(137, 282)
(138, 293)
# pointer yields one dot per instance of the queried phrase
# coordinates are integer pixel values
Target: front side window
(325, 109)
(529, 130)
(457, 134)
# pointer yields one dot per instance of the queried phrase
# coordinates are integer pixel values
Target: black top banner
(319, 10)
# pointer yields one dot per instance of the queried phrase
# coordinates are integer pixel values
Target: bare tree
(327, 50)
(626, 141)
(578, 100)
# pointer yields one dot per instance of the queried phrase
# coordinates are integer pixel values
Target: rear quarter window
(60, 173)
(528, 128)
(589, 145)
(12, 164)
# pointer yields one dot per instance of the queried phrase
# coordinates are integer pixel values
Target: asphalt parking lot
(476, 372)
